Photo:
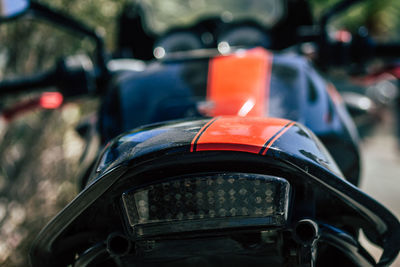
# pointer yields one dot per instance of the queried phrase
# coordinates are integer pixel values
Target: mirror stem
(72, 24)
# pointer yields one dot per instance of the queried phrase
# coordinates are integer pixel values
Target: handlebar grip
(73, 76)
(31, 83)
(387, 50)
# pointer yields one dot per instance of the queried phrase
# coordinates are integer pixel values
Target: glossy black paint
(176, 137)
(156, 152)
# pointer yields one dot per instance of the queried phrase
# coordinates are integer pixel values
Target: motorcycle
(240, 154)
(382, 90)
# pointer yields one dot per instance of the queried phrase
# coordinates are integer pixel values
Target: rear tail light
(215, 201)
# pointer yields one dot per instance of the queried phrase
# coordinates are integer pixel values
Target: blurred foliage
(164, 15)
(33, 44)
(381, 17)
(39, 156)
(40, 152)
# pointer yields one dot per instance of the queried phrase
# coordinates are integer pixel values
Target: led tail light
(215, 201)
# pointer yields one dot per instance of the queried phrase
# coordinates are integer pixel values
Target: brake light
(207, 202)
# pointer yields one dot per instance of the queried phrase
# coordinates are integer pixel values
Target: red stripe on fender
(253, 135)
(275, 137)
(196, 138)
(238, 84)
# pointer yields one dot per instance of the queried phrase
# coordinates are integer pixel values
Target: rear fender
(258, 145)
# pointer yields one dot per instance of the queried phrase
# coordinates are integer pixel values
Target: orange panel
(238, 84)
(253, 135)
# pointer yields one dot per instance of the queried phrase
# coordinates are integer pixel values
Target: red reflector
(51, 100)
(343, 36)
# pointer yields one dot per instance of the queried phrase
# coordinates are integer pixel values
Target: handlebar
(387, 50)
(31, 83)
(73, 76)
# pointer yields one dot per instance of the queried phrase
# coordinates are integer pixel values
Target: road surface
(381, 169)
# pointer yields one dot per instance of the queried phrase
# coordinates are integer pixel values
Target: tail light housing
(207, 202)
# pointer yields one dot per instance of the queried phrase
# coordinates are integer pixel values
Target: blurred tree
(33, 44)
(39, 152)
(381, 17)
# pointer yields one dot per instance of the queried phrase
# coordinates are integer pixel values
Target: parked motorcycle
(217, 151)
(383, 87)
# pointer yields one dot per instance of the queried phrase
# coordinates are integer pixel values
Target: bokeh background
(40, 151)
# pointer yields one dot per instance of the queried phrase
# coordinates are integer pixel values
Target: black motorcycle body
(179, 161)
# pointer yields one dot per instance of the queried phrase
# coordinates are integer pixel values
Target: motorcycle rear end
(225, 174)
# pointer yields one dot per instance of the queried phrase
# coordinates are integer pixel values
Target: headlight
(206, 202)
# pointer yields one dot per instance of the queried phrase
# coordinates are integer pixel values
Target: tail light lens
(207, 202)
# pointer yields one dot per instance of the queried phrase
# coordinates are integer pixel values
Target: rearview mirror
(12, 8)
